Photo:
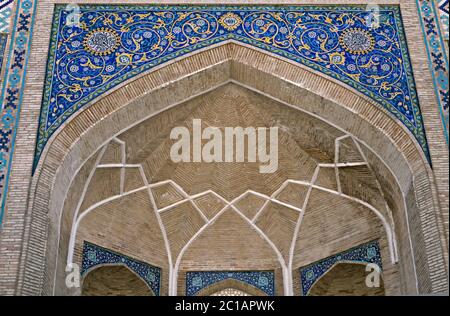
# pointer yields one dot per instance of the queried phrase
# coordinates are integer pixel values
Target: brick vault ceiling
(304, 142)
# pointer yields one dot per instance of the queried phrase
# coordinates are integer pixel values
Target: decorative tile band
(367, 253)
(3, 41)
(198, 281)
(94, 256)
(437, 56)
(444, 14)
(13, 87)
(6, 7)
(95, 48)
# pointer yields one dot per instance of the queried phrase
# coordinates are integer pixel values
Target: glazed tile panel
(6, 7)
(102, 46)
(94, 256)
(198, 281)
(21, 30)
(444, 14)
(367, 253)
(437, 56)
(13, 86)
(3, 40)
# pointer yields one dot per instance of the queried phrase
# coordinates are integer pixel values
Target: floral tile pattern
(367, 253)
(21, 30)
(110, 44)
(262, 280)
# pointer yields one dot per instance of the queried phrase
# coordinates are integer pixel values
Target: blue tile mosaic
(437, 56)
(3, 40)
(111, 44)
(5, 15)
(444, 15)
(367, 253)
(262, 280)
(94, 255)
(21, 31)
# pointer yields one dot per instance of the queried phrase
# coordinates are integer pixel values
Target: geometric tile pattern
(94, 255)
(5, 15)
(443, 11)
(437, 56)
(262, 280)
(367, 253)
(111, 44)
(3, 40)
(13, 86)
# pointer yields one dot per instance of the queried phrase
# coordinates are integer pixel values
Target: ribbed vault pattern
(317, 162)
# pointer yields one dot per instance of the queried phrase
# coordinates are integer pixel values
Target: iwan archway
(354, 181)
(341, 132)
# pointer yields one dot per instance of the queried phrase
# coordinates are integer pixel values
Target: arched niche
(391, 150)
(231, 243)
(346, 279)
(114, 280)
(231, 286)
(230, 292)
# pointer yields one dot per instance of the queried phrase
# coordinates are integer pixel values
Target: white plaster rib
(160, 223)
(74, 218)
(367, 205)
(191, 201)
(286, 275)
(388, 210)
(298, 226)
(287, 268)
(228, 205)
(123, 161)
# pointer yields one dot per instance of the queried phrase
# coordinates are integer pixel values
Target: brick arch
(244, 239)
(345, 282)
(143, 288)
(395, 149)
(231, 283)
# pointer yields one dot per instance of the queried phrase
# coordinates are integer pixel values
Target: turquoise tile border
(13, 88)
(437, 57)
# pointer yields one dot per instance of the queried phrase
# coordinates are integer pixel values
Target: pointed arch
(205, 70)
(114, 279)
(231, 284)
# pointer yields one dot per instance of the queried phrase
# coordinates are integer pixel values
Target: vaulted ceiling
(232, 207)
